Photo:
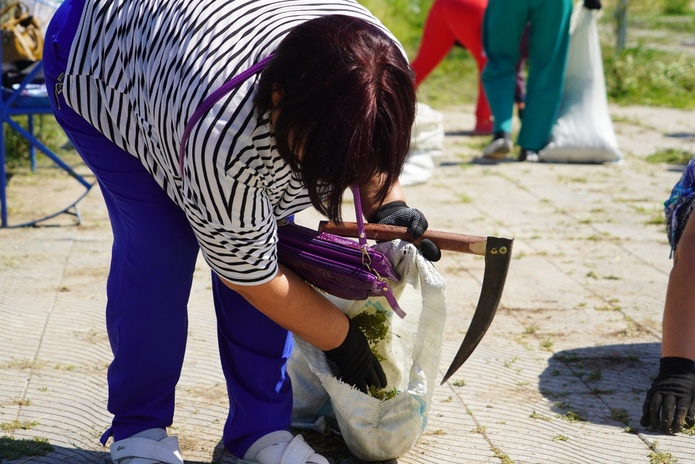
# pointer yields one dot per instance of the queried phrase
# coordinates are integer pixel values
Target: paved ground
(559, 378)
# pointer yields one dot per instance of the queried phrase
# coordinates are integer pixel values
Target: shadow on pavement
(58, 454)
(680, 135)
(619, 374)
(333, 447)
(28, 449)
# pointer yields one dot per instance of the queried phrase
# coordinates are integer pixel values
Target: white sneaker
(281, 448)
(499, 147)
(529, 156)
(149, 447)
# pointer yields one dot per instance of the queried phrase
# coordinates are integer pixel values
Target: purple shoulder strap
(213, 98)
(361, 233)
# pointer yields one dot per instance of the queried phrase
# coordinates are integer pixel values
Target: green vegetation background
(651, 71)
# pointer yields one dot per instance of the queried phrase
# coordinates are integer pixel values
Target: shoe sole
(499, 154)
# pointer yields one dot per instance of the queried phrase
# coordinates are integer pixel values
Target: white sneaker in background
(528, 156)
(499, 147)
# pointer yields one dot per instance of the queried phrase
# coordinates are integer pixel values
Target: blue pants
(503, 27)
(153, 260)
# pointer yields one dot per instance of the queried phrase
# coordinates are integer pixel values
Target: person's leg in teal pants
(548, 46)
(505, 21)
(503, 27)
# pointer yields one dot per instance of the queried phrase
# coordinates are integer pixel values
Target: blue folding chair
(17, 101)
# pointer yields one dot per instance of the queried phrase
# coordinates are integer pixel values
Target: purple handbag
(336, 265)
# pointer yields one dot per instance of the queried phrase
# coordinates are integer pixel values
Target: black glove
(397, 213)
(354, 363)
(670, 401)
(592, 4)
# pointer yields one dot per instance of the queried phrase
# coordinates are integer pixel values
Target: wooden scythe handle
(449, 241)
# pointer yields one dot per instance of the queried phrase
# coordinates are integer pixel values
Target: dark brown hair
(348, 105)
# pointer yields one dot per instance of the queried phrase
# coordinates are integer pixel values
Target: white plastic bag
(426, 141)
(373, 429)
(583, 132)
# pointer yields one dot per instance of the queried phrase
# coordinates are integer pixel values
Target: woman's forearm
(292, 304)
(678, 331)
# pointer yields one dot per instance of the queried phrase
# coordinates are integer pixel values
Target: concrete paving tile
(679, 447)
(447, 430)
(12, 386)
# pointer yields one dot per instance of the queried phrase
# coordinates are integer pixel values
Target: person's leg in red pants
(449, 21)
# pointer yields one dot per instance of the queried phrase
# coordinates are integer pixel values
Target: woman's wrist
(674, 363)
(335, 335)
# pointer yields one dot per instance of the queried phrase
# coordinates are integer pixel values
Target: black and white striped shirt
(138, 70)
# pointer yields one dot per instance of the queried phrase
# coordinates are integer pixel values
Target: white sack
(426, 141)
(583, 132)
(377, 430)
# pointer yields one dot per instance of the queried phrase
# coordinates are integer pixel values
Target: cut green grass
(570, 416)
(535, 415)
(670, 156)
(502, 456)
(11, 448)
(620, 415)
(660, 457)
(17, 425)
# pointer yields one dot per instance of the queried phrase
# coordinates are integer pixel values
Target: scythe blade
(498, 255)
(496, 250)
